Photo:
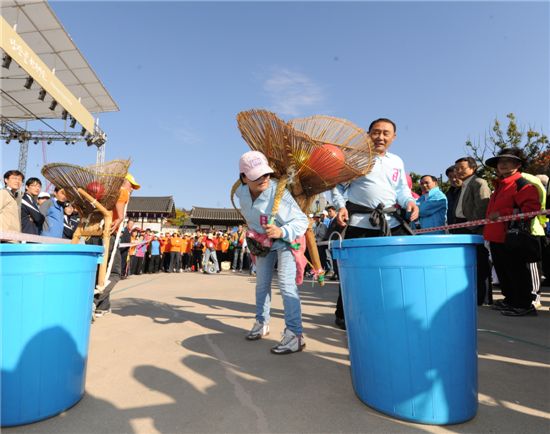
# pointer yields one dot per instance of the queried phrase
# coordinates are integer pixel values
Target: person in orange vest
(175, 253)
(187, 248)
(166, 254)
(183, 246)
(224, 247)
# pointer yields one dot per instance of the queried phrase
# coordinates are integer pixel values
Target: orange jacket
(187, 245)
(224, 245)
(175, 244)
(132, 250)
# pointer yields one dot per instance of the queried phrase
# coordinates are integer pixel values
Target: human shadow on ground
(47, 380)
(238, 386)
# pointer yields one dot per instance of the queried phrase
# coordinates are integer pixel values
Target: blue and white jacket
(289, 217)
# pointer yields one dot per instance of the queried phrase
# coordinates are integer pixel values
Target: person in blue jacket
(53, 210)
(432, 204)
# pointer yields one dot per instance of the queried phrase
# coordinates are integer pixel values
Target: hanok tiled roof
(213, 216)
(152, 205)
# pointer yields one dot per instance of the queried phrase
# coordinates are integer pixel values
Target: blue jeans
(286, 277)
(238, 258)
(210, 254)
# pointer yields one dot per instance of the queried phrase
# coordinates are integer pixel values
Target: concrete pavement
(172, 358)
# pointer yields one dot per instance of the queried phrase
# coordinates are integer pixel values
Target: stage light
(64, 114)
(73, 142)
(8, 140)
(66, 142)
(73, 122)
(28, 82)
(83, 132)
(42, 94)
(50, 142)
(35, 141)
(53, 105)
(6, 61)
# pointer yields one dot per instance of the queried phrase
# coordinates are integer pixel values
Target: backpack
(538, 223)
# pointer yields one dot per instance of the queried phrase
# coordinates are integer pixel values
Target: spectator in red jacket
(512, 193)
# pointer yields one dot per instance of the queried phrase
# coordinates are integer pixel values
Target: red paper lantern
(96, 190)
(327, 161)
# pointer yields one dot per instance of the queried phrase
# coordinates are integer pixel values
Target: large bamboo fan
(101, 181)
(319, 151)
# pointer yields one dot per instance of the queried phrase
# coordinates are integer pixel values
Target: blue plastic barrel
(46, 305)
(410, 307)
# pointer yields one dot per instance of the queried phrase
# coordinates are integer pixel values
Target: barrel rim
(50, 248)
(419, 240)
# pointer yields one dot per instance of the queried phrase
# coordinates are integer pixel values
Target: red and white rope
(482, 222)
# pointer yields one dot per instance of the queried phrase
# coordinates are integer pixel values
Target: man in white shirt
(374, 200)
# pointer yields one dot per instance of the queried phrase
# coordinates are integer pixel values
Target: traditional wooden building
(151, 211)
(215, 218)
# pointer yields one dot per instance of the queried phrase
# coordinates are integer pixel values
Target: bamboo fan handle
(106, 236)
(233, 191)
(278, 196)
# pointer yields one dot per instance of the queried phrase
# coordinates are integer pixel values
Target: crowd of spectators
(35, 212)
(179, 252)
(467, 198)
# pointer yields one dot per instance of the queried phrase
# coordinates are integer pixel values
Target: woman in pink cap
(275, 234)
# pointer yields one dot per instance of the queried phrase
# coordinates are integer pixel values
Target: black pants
(518, 279)
(154, 264)
(323, 256)
(484, 281)
(185, 261)
(166, 261)
(355, 232)
(197, 259)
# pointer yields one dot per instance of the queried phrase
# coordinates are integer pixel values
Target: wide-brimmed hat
(493, 161)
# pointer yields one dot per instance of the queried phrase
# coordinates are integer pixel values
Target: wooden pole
(106, 235)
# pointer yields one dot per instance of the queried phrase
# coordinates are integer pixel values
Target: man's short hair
(31, 181)
(330, 207)
(13, 173)
(56, 189)
(470, 160)
(383, 120)
(434, 179)
(449, 170)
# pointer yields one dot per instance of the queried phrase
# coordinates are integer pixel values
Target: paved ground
(171, 358)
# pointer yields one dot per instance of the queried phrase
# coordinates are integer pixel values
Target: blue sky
(181, 71)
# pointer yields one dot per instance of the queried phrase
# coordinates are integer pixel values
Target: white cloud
(181, 132)
(291, 92)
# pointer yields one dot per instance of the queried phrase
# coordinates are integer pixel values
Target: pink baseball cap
(254, 164)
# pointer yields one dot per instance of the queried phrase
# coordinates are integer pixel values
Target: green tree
(181, 215)
(534, 144)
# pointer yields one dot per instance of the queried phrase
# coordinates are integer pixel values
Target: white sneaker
(258, 330)
(537, 304)
(290, 343)
(100, 313)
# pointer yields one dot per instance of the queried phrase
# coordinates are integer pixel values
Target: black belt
(377, 217)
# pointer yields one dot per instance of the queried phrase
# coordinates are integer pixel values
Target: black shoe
(520, 311)
(340, 322)
(334, 277)
(500, 305)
